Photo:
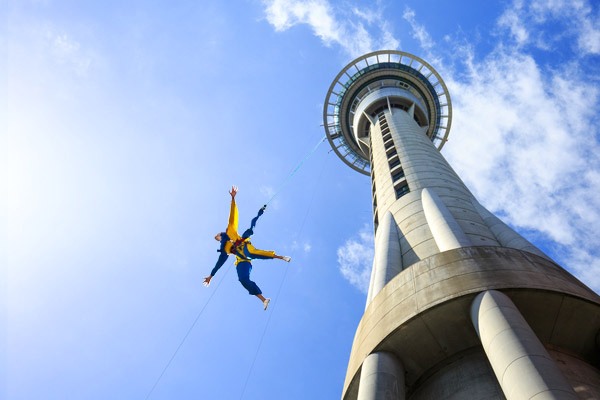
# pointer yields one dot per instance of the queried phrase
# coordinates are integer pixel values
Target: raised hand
(207, 281)
(233, 192)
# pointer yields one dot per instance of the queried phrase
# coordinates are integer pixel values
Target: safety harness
(237, 248)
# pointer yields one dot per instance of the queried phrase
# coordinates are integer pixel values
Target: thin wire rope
(283, 280)
(294, 171)
(188, 333)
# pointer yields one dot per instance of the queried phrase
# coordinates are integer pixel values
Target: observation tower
(460, 306)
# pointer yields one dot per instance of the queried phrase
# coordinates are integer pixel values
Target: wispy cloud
(67, 51)
(366, 31)
(355, 258)
(511, 20)
(536, 23)
(268, 192)
(305, 246)
(418, 31)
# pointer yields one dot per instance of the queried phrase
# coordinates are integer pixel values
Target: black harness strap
(234, 248)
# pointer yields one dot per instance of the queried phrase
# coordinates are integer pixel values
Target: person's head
(218, 236)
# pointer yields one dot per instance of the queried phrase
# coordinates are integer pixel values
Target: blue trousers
(243, 270)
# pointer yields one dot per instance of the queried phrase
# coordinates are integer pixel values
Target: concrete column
(381, 378)
(446, 231)
(388, 256)
(520, 361)
(370, 293)
(505, 236)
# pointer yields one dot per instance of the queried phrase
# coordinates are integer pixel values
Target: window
(398, 175)
(401, 189)
(371, 156)
(394, 163)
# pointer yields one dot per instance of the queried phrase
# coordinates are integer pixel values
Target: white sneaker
(287, 259)
(266, 303)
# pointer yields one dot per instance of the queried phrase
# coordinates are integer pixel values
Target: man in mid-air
(240, 246)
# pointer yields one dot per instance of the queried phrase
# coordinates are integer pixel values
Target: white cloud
(419, 32)
(589, 37)
(351, 33)
(388, 41)
(355, 258)
(536, 23)
(542, 10)
(512, 20)
(369, 15)
(268, 192)
(305, 246)
(67, 51)
(524, 131)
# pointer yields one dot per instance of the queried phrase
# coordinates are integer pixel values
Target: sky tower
(459, 306)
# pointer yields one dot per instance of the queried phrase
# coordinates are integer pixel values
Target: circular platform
(381, 76)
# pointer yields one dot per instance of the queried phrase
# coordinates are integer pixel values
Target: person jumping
(240, 246)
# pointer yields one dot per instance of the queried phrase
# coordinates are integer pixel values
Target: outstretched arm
(220, 262)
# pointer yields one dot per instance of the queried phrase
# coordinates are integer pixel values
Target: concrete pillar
(381, 378)
(505, 236)
(446, 231)
(388, 255)
(520, 361)
(370, 293)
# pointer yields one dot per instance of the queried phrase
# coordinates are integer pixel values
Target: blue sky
(126, 123)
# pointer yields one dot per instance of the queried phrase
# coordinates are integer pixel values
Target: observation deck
(376, 81)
